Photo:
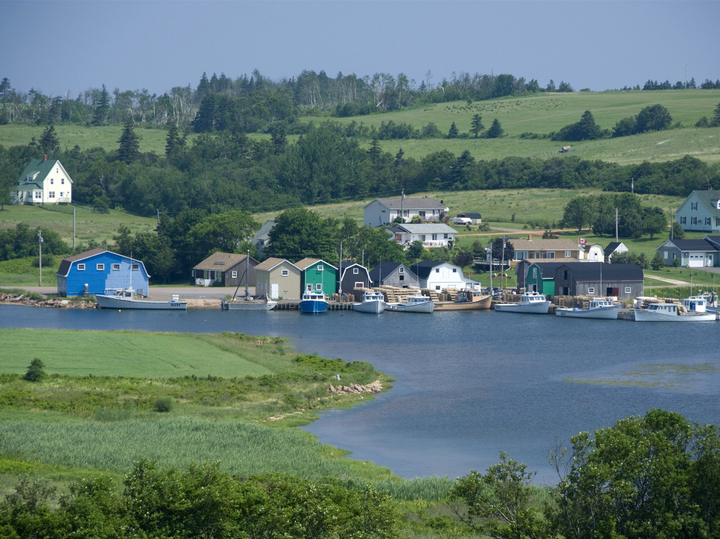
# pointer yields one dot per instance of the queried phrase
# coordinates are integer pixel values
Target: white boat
(599, 308)
(372, 302)
(248, 303)
(671, 312)
(413, 304)
(530, 303)
(125, 299)
(313, 302)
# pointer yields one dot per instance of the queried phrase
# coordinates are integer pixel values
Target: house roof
(694, 245)
(560, 244)
(590, 271)
(426, 228)
(470, 215)
(343, 266)
(271, 263)
(67, 262)
(709, 197)
(423, 268)
(425, 203)
(222, 261)
(611, 247)
(37, 170)
(547, 269)
(307, 262)
(386, 269)
(264, 232)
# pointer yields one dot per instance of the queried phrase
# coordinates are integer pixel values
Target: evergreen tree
(496, 130)
(36, 371)
(278, 138)
(375, 152)
(49, 141)
(453, 133)
(172, 142)
(102, 108)
(716, 117)
(476, 125)
(129, 144)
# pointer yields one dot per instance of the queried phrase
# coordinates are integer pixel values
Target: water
(469, 384)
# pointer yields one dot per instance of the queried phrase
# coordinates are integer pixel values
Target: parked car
(460, 221)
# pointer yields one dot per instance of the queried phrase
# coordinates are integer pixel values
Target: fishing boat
(247, 303)
(372, 302)
(467, 300)
(124, 298)
(313, 302)
(413, 304)
(599, 308)
(672, 312)
(530, 303)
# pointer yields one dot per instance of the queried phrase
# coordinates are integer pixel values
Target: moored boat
(313, 302)
(467, 300)
(413, 304)
(124, 298)
(530, 303)
(671, 312)
(599, 308)
(372, 302)
(248, 303)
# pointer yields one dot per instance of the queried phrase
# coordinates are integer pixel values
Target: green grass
(22, 272)
(89, 225)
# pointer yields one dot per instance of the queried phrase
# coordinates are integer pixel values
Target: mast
(247, 273)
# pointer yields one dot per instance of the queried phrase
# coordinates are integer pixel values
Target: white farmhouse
(430, 234)
(436, 275)
(383, 211)
(44, 182)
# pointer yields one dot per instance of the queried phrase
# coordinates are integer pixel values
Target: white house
(700, 211)
(430, 234)
(44, 181)
(592, 252)
(435, 275)
(383, 211)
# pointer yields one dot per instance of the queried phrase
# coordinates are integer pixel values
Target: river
(469, 384)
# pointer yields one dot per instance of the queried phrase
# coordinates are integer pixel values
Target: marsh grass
(666, 375)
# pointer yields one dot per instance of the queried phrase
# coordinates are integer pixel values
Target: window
(683, 220)
(628, 290)
(100, 267)
(454, 270)
(38, 194)
(116, 267)
(437, 270)
(568, 254)
(62, 181)
(437, 287)
(320, 267)
(318, 287)
(707, 220)
(535, 273)
(359, 284)
(81, 267)
(717, 221)
(52, 181)
(51, 194)
(446, 236)
(401, 270)
(434, 237)
(693, 205)
(233, 274)
(284, 273)
(693, 221)
(356, 271)
(565, 274)
(401, 278)
(61, 194)
(665, 255)
(135, 267)
(591, 289)
(550, 255)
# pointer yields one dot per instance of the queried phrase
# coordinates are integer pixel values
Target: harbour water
(469, 384)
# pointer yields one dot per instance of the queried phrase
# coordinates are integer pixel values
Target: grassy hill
(540, 114)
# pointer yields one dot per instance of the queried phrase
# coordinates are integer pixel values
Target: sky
(64, 47)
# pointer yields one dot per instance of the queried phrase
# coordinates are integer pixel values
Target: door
(274, 290)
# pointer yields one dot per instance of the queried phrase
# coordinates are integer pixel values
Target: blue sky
(70, 46)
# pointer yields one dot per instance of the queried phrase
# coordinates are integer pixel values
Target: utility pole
(632, 185)
(616, 224)
(502, 267)
(73, 229)
(40, 242)
(491, 260)
(402, 202)
(158, 216)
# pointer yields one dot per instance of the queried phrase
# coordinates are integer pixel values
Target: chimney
(45, 157)
(529, 237)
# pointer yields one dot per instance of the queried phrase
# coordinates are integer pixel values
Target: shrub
(164, 404)
(36, 371)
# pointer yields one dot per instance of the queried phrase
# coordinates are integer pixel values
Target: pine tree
(129, 144)
(49, 141)
(172, 142)
(453, 133)
(495, 131)
(476, 125)
(102, 108)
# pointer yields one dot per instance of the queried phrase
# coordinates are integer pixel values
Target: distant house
(352, 276)
(546, 249)
(44, 181)
(318, 276)
(225, 269)
(438, 276)
(592, 252)
(537, 276)
(565, 149)
(261, 240)
(277, 278)
(614, 247)
(475, 218)
(430, 234)
(383, 211)
(692, 253)
(98, 270)
(624, 281)
(700, 212)
(394, 274)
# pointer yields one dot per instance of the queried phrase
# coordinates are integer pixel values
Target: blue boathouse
(97, 270)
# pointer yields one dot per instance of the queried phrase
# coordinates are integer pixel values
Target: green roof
(41, 167)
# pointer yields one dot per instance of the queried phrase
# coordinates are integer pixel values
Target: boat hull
(243, 305)
(113, 302)
(482, 303)
(424, 307)
(540, 307)
(597, 313)
(370, 307)
(313, 306)
(642, 315)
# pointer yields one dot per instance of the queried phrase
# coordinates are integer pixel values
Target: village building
(613, 248)
(384, 211)
(394, 274)
(99, 270)
(700, 212)
(277, 278)
(623, 281)
(352, 276)
(225, 269)
(44, 181)
(438, 276)
(537, 276)
(547, 249)
(698, 253)
(430, 234)
(318, 276)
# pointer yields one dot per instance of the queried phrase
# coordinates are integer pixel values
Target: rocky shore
(25, 299)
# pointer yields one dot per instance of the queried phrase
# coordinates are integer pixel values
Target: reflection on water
(469, 384)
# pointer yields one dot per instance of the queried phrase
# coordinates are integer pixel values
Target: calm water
(468, 384)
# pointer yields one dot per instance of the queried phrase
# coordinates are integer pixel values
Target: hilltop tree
(715, 122)
(654, 221)
(653, 118)
(495, 131)
(129, 144)
(476, 125)
(585, 129)
(49, 141)
(102, 107)
(579, 212)
(453, 132)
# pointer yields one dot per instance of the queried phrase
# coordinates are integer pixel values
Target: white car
(461, 221)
